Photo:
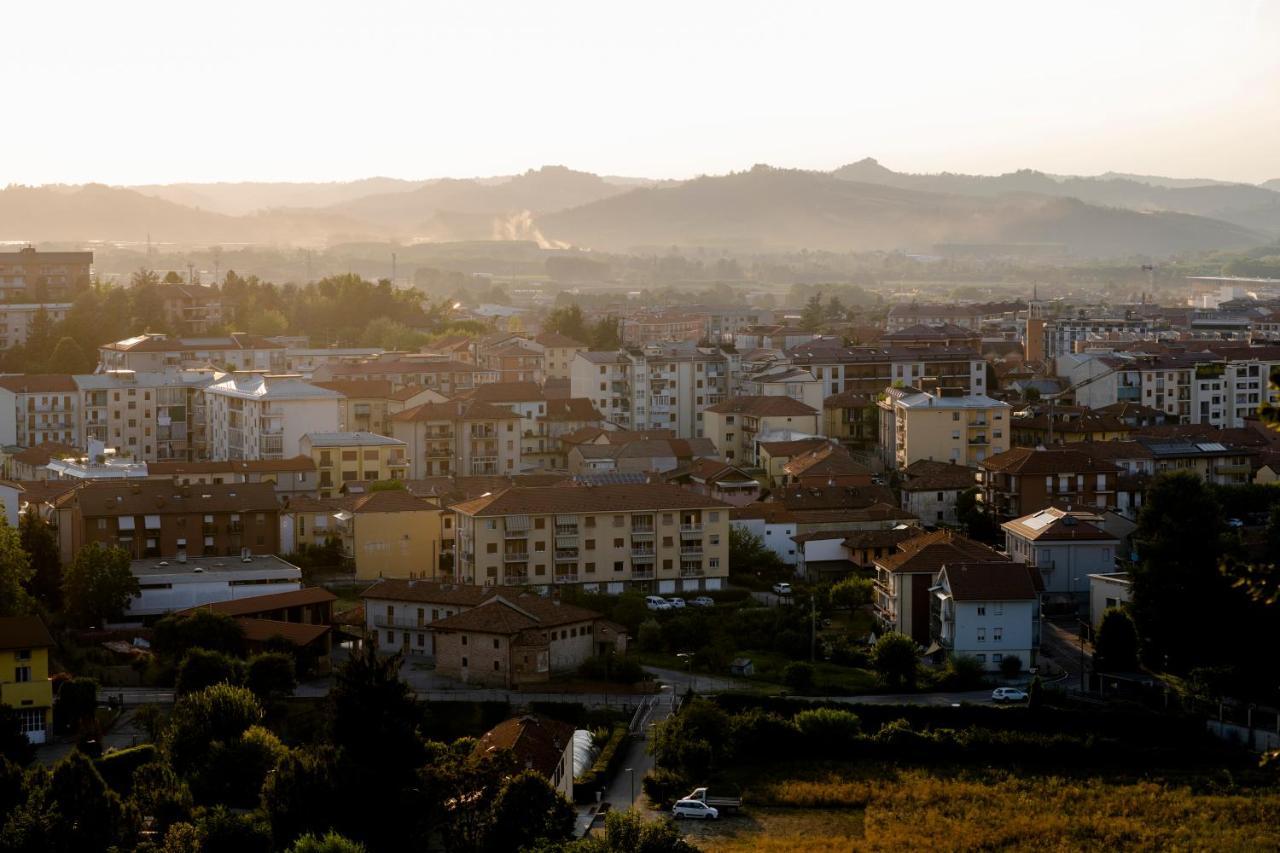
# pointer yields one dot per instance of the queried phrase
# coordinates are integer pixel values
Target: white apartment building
(657, 388)
(158, 352)
(1061, 336)
(149, 417)
(987, 611)
(258, 416)
(39, 407)
(869, 370)
(16, 317)
(1225, 393)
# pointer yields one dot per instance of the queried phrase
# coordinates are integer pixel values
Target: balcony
(978, 424)
(515, 578)
(568, 555)
(516, 532)
(978, 440)
(642, 573)
(643, 554)
(566, 578)
(566, 530)
(515, 557)
(690, 550)
(1232, 469)
(691, 527)
(643, 532)
(692, 571)
(384, 621)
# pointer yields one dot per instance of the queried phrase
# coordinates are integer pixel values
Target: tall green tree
(568, 320)
(894, 659)
(69, 357)
(98, 585)
(1116, 646)
(528, 811)
(604, 334)
(813, 315)
(15, 573)
(40, 543)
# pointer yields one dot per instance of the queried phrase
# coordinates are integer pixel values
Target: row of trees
(568, 320)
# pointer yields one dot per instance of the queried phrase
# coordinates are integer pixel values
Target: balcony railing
(520, 533)
(566, 530)
(642, 554)
(383, 621)
(692, 572)
(693, 527)
(690, 550)
(515, 578)
(978, 440)
(642, 573)
(566, 578)
(642, 532)
(515, 557)
(569, 555)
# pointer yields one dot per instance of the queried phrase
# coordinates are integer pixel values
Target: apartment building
(640, 330)
(24, 675)
(514, 361)
(564, 418)
(261, 416)
(852, 419)
(362, 404)
(1025, 480)
(392, 534)
(558, 353)
(431, 372)
(39, 407)
(739, 424)
(654, 537)
(305, 360)
(1062, 336)
(192, 308)
(154, 353)
(945, 427)
(1064, 547)
(654, 388)
(150, 417)
(16, 319)
(724, 322)
(38, 276)
(526, 399)
(770, 337)
(869, 370)
(906, 315)
(930, 489)
(289, 477)
(784, 381)
(1226, 393)
(345, 457)
(151, 518)
(987, 611)
(460, 437)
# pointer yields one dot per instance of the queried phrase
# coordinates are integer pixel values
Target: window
(666, 565)
(495, 663)
(539, 546)
(618, 520)
(666, 541)
(996, 658)
(667, 519)
(591, 521)
(982, 610)
(464, 639)
(464, 660)
(982, 635)
(539, 523)
(22, 674)
(497, 643)
(997, 635)
(591, 568)
(715, 538)
(715, 562)
(998, 609)
(617, 566)
(617, 543)
(491, 548)
(391, 638)
(981, 658)
(590, 544)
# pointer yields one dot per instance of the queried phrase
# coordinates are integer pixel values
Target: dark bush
(200, 669)
(117, 767)
(664, 786)
(798, 675)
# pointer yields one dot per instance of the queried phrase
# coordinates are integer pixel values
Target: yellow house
(343, 457)
(736, 424)
(945, 427)
(24, 674)
(392, 534)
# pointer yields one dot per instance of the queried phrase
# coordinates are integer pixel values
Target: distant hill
(98, 212)
(1252, 207)
(238, 199)
(777, 208)
(544, 190)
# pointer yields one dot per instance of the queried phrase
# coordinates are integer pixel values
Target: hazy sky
(133, 92)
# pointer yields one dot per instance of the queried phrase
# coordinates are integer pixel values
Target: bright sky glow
(142, 92)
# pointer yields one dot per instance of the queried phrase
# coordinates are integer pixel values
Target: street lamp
(632, 772)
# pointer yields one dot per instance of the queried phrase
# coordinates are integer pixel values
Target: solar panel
(1212, 446)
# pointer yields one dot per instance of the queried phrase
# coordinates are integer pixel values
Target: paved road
(1060, 641)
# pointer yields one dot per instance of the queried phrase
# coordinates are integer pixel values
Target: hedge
(117, 767)
(606, 764)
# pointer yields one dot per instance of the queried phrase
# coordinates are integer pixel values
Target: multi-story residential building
(558, 353)
(399, 613)
(514, 361)
(770, 337)
(784, 381)
(151, 417)
(150, 518)
(725, 322)
(637, 456)
(291, 478)
(869, 370)
(1098, 380)
(1228, 392)
(853, 419)
(1024, 480)
(153, 352)
(654, 537)
(24, 674)
(1061, 336)
(930, 489)
(656, 388)
(526, 399)
(988, 611)
(39, 407)
(306, 360)
(392, 534)
(460, 437)
(639, 330)
(362, 406)
(904, 579)
(256, 416)
(945, 427)
(16, 319)
(565, 417)
(1064, 547)
(39, 276)
(906, 315)
(738, 424)
(946, 336)
(191, 308)
(430, 372)
(345, 457)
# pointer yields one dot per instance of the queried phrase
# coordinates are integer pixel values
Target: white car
(1008, 694)
(657, 602)
(694, 808)
(703, 601)
(676, 603)
(782, 588)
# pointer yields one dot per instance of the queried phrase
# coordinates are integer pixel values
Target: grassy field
(878, 807)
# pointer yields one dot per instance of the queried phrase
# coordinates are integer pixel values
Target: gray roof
(341, 439)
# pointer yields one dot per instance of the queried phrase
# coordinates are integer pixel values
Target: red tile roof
(267, 603)
(376, 388)
(565, 498)
(1026, 460)
(989, 580)
(766, 406)
(930, 551)
(539, 743)
(455, 410)
(39, 383)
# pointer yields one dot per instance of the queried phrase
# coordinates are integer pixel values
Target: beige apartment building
(653, 537)
(944, 427)
(345, 457)
(150, 417)
(558, 353)
(739, 422)
(460, 437)
(367, 405)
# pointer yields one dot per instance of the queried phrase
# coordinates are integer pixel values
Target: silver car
(694, 808)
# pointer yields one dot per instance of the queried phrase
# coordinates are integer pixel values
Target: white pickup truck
(717, 801)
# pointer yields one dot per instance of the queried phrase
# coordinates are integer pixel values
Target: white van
(656, 602)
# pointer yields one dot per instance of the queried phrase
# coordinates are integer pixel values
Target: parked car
(694, 808)
(1235, 522)
(656, 602)
(676, 603)
(703, 601)
(782, 588)
(1008, 694)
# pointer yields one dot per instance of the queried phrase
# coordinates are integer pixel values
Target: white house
(168, 585)
(1065, 546)
(11, 496)
(986, 611)
(773, 523)
(1108, 590)
(256, 416)
(398, 613)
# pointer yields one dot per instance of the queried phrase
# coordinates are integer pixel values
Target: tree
(852, 593)
(98, 584)
(234, 769)
(835, 310)
(975, 517)
(157, 792)
(76, 703)
(87, 815)
(224, 831)
(798, 675)
(1116, 647)
(604, 334)
(567, 320)
(176, 635)
(302, 796)
(1010, 666)
(219, 713)
(15, 573)
(14, 745)
(628, 832)
(271, 676)
(201, 669)
(528, 811)
(747, 553)
(40, 544)
(894, 659)
(813, 315)
(68, 357)
(331, 842)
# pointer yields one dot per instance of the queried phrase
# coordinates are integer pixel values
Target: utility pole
(813, 628)
(393, 269)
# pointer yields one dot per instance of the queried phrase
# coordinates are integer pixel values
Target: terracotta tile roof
(832, 497)
(431, 592)
(772, 406)
(41, 454)
(555, 340)
(24, 632)
(879, 538)
(39, 383)
(713, 470)
(555, 388)
(402, 366)
(582, 435)
(848, 400)
(1025, 460)
(266, 603)
(404, 393)
(456, 410)
(1058, 525)
(1110, 450)
(391, 500)
(571, 409)
(232, 466)
(588, 499)
(299, 634)
(539, 743)
(989, 580)
(504, 614)
(768, 511)
(45, 491)
(156, 497)
(930, 551)
(791, 448)
(377, 388)
(927, 475)
(830, 460)
(504, 392)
